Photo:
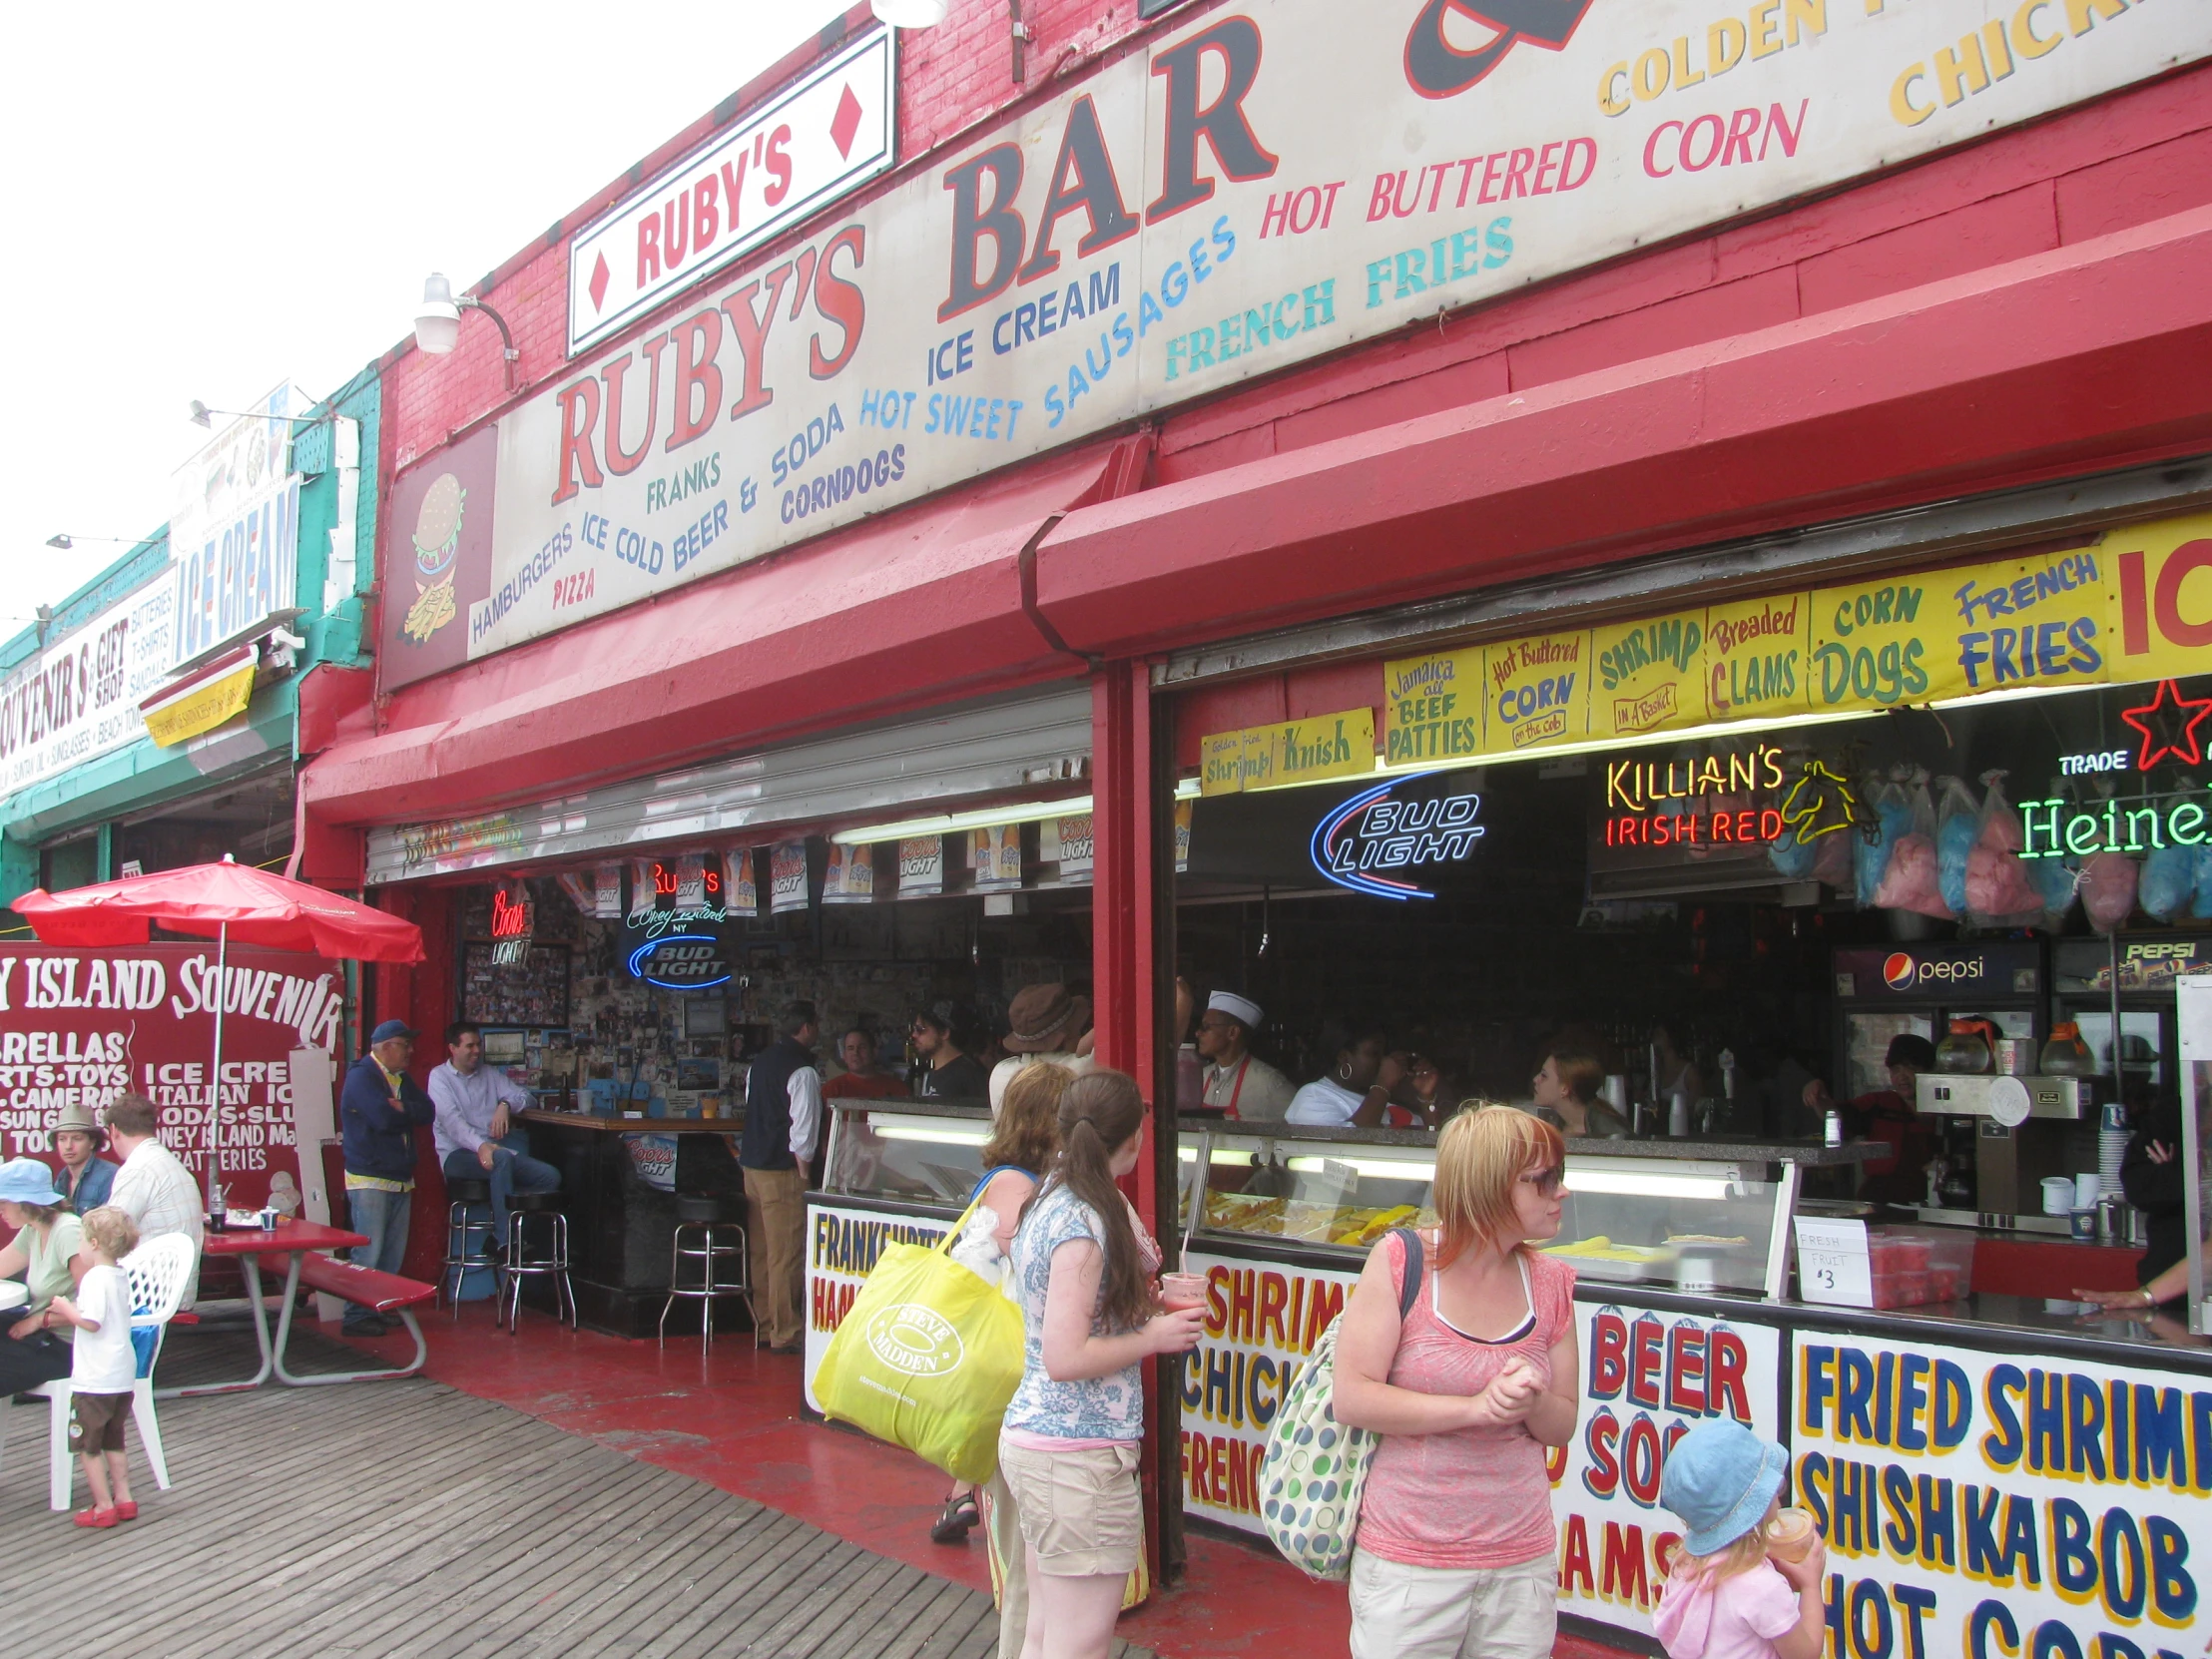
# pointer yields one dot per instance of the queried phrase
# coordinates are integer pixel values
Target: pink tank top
(1476, 1497)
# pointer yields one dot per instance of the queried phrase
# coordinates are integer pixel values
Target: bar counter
(620, 1225)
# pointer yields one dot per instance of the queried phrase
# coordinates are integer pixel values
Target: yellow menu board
(1649, 676)
(1536, 691)
(1433, 708)
(1220, 763)
(2161, 581)
(2043, 620)
(1326, 745)
(2135, 605)
(1755, 657)
(1870, 642)
(1296, 752)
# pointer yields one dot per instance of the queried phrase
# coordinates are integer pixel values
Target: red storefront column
(1124, 891)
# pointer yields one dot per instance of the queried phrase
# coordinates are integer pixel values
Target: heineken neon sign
(2059, 828)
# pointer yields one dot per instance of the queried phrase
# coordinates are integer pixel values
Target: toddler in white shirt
(104, 1366)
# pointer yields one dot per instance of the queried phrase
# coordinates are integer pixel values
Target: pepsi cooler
(2144, 968)
(1921, 988)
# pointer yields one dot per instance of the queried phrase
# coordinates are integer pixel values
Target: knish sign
(1249, 190)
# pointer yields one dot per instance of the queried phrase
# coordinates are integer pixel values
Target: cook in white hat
(1236, 1079)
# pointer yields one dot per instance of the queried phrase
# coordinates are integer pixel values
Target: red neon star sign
(2170, 724)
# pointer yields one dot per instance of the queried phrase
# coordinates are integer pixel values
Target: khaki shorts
(1402, 1612)
(1080, 1510)
(99, 1421)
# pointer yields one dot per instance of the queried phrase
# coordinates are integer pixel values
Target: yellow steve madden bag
(927, 1358)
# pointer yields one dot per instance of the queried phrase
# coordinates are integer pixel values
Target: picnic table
(301, 1243)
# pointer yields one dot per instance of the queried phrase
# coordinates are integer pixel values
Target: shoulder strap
(1416, 1261)
(993, 1171)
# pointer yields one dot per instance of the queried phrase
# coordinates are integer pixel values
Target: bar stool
(467, 1237)
(550, 1259)
(702, 1236)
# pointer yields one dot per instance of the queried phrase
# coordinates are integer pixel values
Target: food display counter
(895, 1171)
(1966, 1456)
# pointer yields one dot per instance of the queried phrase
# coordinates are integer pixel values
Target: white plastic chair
(157, 1271)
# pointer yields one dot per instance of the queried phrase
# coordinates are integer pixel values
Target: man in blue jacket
(378, 1110)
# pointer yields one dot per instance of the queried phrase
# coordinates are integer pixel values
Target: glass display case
(1673, 1215)
(916, 1152)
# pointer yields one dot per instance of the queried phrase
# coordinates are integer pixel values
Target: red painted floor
(731, 1418)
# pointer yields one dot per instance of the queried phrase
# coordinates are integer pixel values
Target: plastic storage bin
(1910, 1267)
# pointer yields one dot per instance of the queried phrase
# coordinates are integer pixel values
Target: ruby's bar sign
(814, 143)
(1245, 191)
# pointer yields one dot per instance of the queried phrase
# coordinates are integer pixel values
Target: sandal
(126, 1510)
(94, 1517)
(961, 1513)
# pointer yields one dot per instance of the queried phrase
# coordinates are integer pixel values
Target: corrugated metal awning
(973, 752)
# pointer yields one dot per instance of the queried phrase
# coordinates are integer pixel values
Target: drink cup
(1179, 1290)
(1791, 1537)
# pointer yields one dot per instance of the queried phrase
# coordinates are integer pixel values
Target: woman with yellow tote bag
(926, 1359)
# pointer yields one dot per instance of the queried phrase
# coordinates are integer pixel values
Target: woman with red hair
(1455, 1555)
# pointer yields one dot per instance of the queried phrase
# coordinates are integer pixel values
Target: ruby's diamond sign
(782, 163)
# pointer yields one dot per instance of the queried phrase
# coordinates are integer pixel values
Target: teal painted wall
(332, 590)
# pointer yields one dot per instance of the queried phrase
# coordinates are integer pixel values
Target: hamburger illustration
(437, 544)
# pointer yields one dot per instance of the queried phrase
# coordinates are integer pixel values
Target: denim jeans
(384, 1216)
(512, 1171)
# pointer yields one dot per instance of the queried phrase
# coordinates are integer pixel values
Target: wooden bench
(384, 1292)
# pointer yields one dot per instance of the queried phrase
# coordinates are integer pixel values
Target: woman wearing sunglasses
(1456, 1552)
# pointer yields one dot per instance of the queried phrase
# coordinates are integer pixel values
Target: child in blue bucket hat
(1726, 1598)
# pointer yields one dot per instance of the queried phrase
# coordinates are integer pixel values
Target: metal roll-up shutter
(969, 751)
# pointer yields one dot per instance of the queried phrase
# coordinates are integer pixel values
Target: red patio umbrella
(221, 902)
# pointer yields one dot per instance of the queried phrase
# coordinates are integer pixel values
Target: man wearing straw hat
(86, 1178)
(1050, 1027)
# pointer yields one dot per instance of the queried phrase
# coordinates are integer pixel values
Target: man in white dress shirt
(475, 1129)
(153, 1186)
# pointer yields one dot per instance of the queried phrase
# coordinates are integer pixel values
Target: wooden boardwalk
(407, 1519)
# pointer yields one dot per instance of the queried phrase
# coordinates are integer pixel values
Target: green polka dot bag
(1313, 1468)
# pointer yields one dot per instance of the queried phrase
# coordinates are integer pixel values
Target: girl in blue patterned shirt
(1068, 1452)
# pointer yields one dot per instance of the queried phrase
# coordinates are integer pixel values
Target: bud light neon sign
(680, 963)
(1377, 831)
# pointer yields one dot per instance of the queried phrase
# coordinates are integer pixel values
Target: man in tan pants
(782, 1126)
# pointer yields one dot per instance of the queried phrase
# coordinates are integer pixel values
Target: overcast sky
(213, 196)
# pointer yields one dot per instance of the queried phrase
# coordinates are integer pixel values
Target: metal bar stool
(550, 1259)
(467, 1237)
(702, 1236)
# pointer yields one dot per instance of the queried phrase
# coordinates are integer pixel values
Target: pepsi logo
(1901, 971)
